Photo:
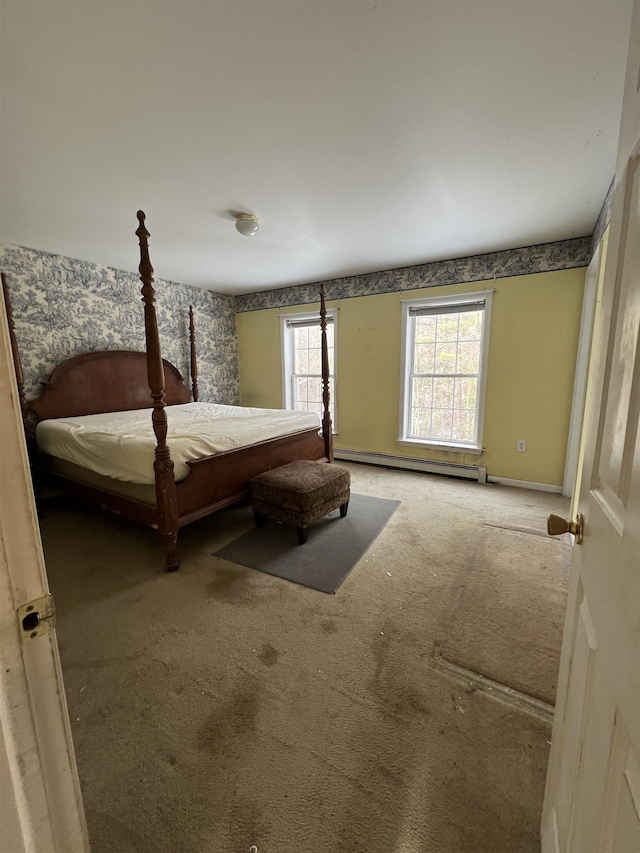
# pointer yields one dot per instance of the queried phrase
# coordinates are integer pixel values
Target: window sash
(318, 401)
(289, 353)
(310, 375)
(452, 409)
(413, 312)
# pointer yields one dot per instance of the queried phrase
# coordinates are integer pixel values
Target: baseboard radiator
(449, 469)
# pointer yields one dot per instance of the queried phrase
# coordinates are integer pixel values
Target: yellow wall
(532, 351)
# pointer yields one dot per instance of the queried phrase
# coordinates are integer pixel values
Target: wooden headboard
(104, 381)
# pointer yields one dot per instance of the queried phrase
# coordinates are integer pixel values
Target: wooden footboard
(219, 481)
(214, 483)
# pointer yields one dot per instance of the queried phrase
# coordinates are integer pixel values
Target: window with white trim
(302, 362)
(445, 353)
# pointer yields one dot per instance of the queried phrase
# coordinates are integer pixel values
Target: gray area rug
(333, 547)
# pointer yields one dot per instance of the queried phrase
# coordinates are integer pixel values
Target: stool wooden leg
(302, 535)
(343, 509)
(260, 519)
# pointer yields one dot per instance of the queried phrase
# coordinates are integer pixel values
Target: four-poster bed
(121, 382)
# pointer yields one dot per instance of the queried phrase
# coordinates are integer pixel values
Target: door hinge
(37, 617)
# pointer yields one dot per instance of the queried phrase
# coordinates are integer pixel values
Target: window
(445, 349)
(302, 362)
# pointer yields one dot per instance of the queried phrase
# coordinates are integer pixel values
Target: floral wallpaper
(63, 307)
(565, 254)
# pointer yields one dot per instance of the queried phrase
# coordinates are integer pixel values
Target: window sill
(434, 445)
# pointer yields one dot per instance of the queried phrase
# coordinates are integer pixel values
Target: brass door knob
(556, 526)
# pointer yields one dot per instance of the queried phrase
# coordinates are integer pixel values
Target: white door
(592, 801)
(40, 803)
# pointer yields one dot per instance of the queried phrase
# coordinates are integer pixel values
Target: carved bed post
(327, 430)
(166, 493)
(24, 406)
(193, 363)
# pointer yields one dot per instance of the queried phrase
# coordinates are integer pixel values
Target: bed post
(193, 364)
(24, 406)
(166, 493)
(327, 429)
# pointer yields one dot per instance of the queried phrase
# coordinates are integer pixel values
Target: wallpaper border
(544, 257)
(604, 218)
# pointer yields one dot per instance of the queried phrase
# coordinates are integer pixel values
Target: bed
(94, 403)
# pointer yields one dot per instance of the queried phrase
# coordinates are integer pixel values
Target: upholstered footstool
(300, 493)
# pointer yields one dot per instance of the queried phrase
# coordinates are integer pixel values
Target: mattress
(121, 445)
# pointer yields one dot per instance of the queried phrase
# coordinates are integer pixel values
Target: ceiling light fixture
(247, 224)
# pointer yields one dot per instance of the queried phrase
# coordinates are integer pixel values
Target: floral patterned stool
(300, 493)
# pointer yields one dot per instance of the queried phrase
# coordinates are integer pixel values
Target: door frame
(591, 279)
(42, 808)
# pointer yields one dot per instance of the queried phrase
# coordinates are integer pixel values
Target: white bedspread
(122, 444)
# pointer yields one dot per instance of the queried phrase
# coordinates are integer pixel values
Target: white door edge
(41, 806)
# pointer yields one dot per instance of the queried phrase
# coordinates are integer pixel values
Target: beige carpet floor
(219, 707)
(508, 613)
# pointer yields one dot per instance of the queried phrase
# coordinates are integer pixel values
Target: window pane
(420, 423)
(425, 330)
(315, 336)
(300, 388)
(470, 325)
(465, 393)
(315, 362)
(301, 361)
(464, 425)
(315, 389)
(442, 424)
(421, 393)
(468, 357)
(447, 327)
(301, 337)
(424, 356)
(443, 393)
(445, 358)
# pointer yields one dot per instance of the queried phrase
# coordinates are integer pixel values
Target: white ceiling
(364, 135)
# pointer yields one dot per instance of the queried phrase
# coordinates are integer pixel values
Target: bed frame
(120, 380)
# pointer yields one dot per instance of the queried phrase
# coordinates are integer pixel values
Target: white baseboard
(525, 484)
(450, 469)
(408, 463)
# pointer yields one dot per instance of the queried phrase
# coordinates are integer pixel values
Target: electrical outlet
(521, 445)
